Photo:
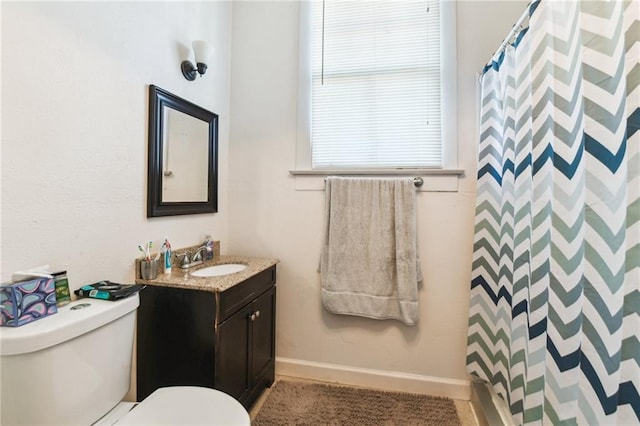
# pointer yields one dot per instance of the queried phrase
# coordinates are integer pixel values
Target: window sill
(435, 180)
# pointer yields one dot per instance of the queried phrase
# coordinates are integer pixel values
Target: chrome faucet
(189, 260)
(197, 256)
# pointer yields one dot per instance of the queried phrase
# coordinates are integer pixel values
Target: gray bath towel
(369, 262)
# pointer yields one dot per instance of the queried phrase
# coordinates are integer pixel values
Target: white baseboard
(380, 379)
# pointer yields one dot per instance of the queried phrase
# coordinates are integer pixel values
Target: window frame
(448, 93)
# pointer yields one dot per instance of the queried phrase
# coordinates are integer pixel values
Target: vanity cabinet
(223, 340)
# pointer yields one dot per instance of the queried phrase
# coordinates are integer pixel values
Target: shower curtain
(554, 318)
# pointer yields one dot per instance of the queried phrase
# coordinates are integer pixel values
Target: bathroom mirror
(183, 156)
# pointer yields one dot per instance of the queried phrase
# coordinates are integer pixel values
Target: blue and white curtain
(554, 319)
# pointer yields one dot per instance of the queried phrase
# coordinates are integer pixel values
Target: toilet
(74, 368)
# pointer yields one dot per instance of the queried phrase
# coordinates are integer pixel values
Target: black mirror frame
(158, 99)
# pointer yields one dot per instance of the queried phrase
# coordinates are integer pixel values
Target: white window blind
(376, 94)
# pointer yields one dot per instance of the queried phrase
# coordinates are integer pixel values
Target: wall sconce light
(202, 51)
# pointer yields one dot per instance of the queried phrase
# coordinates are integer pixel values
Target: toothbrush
(142, 250)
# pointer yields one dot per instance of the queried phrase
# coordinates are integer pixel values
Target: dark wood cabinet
(222, 340)
(263, 335)
(249, 348)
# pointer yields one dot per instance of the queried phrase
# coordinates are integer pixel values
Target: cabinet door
(175, 339)
(263, 333)
(233, 352)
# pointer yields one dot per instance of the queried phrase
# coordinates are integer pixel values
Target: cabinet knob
(257, 314)
(252, 317)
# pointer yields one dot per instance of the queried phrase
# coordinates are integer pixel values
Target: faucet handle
(185, 258)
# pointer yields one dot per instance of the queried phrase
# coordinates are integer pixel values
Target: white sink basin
(218, 270)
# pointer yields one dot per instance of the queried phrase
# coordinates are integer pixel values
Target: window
(376, 91)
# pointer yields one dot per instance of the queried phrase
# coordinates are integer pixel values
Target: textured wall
(271, 218)
(75, 82)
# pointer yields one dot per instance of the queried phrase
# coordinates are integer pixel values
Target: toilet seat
(187, 405)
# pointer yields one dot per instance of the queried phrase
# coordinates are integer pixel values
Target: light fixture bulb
(203, 51)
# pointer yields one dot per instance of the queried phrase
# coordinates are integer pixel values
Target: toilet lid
(187, 405)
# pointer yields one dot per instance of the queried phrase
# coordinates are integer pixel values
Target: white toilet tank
(70, 368)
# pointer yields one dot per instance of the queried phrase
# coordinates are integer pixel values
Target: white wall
(75, 82)
(73, 163)
(271, 218)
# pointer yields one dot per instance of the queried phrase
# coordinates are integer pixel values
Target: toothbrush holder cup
(149, 269)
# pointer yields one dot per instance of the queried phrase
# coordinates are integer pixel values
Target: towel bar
(417, 181)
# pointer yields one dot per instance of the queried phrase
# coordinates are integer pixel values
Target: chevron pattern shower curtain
(554, 319)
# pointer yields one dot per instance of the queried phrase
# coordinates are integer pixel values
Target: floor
(465, 412)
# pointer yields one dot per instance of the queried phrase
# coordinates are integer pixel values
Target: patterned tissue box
(27, 301)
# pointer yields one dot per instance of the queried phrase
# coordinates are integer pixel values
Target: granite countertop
(182, 278)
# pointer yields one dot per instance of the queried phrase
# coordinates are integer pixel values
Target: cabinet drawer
(238, 296)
